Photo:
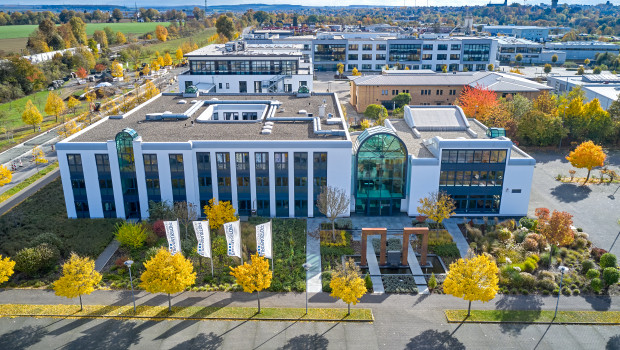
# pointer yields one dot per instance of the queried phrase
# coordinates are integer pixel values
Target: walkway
(418, 274)
(106, 255)
(373, 268)
(313, 255)
(452, 226)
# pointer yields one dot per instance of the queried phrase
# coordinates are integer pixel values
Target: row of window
(200, 67)
(473, 156)
(367, 47)
(366, 57)
(471, 178)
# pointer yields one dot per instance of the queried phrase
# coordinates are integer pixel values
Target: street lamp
(563, 269)
(128, 263)
(307, 267)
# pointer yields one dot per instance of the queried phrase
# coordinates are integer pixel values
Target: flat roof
(183, 131)
(250, 50)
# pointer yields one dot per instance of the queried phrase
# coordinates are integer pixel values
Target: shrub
(608, 260)
(592, 274)
(528, 223)
(580, 243)
(520, 235)
(326, 278)
(159, 228)
(39, 259)
(399, 284)
(547, 284)
(49, 238)
(529, 266)
(130, 234)
(596, 284)
(546, 275)
(545, 259)
(586, 266)
(566, 291)
(546, 292)
(596, 253)
(576, 291)
(611, 275)
(448, 250)
(527, 280)
(151, 252)
(368, 282)
(530, 244)
(504, 234)
(432, 282)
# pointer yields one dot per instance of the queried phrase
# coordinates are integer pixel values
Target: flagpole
(272, 254)
(240, 245)
(211, 253)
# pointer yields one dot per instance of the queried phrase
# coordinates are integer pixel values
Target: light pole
(563, 119)
(128, 263)
(563, 269)
(307, 267)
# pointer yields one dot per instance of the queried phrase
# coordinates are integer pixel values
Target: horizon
(306, 3)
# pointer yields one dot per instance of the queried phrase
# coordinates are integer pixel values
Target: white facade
(231, 84)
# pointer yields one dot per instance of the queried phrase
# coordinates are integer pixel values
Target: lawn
(45, 212)
(534, 316)
(23, 31)
(158, 313)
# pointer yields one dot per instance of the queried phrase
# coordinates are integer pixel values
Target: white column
(272, 185)
(141, 178)
(310, 184)
(253, 201)
(65, 178)
(214, 175)
(190, 170)
(233, 182)
(291, 184)
(117, 187)
(91, 182)
(165, 179)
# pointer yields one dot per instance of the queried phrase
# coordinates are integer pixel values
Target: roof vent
(302, 111)
(181, 102)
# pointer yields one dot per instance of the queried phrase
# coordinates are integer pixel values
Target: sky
(146, 3)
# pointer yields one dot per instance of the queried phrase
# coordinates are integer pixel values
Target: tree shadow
(22, 338)
(433, 339)
(569, 193)
(510, 302)
(109, 334)
(306, 342)
(203, 341)
(613, 343)
(599, 302)
(421, 298)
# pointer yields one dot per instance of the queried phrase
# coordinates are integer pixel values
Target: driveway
(596, 208)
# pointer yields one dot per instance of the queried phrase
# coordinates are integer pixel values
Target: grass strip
(159, 313)
(534, 316)
(13, 191)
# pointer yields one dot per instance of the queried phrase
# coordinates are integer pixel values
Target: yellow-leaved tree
(120, 38)
(150, 90)
(179, 54)
(167, 59)
(219, 213)
(161, 32)
(167, 273)
(146, 70)
(79, 277)
(474, 279)
(438, 206)
(6, 268)
(5, 175)
(253, 277)
(356, 72)
(117, 69)
(587, 155)
(31, 115)
(72, 103)
(38, 157)
(347, 284)
(160, 61)
(54, 105)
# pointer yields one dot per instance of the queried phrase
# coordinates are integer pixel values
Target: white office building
(237, 67)
(531, 52)
(271, 154)
(604, 87)
(581, 50)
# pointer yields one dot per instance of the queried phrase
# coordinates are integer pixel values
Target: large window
(78, 185)
(127, 167)
(177, 174)
(381, 163)
(223, 176)
(329, 52)
(405, 52)
(151, 174)
(242, 161)
(242, 67)
(205, 185)
(262, 183)
(476, 52)
(319, 168)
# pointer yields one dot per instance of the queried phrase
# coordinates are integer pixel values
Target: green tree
(374, 111)
(554, 59)
(117, 14)
(519, 58)
(101, 38)
(597, 70)
(547, 68)
(402, 99)
(78, 27)
(225, 26)
(580, 71)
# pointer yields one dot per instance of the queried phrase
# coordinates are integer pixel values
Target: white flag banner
(233, 238)
(263, 240)
(173, 235)
(201, 228)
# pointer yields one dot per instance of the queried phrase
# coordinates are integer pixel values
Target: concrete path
(418, 274)
(373, 268)
(401, 322)
(28, 191)
(313, 255)
(106, 255)
(452, 226)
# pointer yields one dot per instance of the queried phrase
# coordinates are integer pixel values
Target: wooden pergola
(407, 232)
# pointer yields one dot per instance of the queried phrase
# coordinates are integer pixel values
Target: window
(176, 163)
(455, 47)
(380, 57)
(353, 57)
(426, 92)
(150, 163)
(242, 159)
(367, 47)
(476, 52)
(367, 57)
(351, 66)
(223, 160)
(442, 57)
(262, 161)
(442, 47)
(452, 92)
(439, 92)
(394, 92)
(281, 181)
(428, 47)
(404, 52)
(455, 56)
(427, 56)
(380, 47)
(75, 163)
(103, 163)
(366, 66)
(281, 160)
(354, 47)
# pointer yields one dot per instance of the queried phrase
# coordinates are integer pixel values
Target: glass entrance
(377, 207)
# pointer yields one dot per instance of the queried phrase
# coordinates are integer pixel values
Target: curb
(163, 318)
(541, 322)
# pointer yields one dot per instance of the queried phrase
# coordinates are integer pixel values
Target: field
(22, 31)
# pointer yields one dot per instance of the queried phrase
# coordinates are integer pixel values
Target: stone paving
(313, 255)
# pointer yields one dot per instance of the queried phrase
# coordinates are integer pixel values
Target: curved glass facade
(381, 174)
(127, 166)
